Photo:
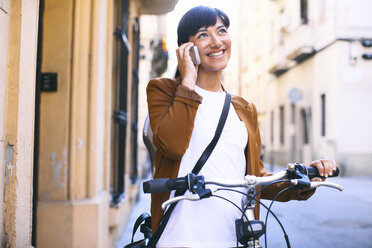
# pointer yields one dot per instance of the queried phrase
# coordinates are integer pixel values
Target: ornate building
(305, 65)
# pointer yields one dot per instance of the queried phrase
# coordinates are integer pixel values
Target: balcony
(300, 44)
(301, 54)
(279, 69)
(278, 63)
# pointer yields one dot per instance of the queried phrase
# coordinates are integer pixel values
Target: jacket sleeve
(172, 109)
(271, 192)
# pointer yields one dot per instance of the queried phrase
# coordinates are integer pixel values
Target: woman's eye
(222, 30)
(202, 35)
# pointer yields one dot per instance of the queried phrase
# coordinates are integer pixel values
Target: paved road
(329, 219)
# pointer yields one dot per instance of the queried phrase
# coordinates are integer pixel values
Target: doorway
(37, 123)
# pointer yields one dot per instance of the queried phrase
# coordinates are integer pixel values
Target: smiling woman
(184, 113)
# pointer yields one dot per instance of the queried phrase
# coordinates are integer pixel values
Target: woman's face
(214, 46)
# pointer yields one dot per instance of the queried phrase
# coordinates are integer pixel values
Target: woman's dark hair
(194, 19)
(197, 17)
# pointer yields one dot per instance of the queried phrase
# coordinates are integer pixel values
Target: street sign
(295, 95)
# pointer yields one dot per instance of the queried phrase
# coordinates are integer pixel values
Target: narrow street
(329, 219)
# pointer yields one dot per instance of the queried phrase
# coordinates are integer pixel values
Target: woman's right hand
(186, 67)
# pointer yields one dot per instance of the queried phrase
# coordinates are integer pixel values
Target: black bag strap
(198, 166)
(145, 217)
(221, 123)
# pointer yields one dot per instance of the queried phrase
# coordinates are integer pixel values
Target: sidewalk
(329, 219)
(142, 205)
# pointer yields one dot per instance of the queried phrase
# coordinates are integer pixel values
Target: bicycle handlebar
(275, 177)
(183, 183)
(296, 174)
(312, 172)
(165, 185)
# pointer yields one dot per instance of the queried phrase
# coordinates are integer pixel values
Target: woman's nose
(215, 41)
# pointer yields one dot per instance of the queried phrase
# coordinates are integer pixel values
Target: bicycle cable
(268, 209)
(267, 215)
(223, 198)
(267, 185)
(262, 204)
(243, 213)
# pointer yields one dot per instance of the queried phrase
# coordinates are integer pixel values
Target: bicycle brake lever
(326, 184)
(193, 197)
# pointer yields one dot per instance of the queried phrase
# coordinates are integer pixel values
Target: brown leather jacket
(172, 110)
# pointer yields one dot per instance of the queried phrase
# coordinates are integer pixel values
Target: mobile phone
(194, 54)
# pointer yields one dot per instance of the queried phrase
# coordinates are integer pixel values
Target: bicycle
(248, 229)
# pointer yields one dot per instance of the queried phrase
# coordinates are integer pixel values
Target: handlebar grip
(313, 172)
(164, 185)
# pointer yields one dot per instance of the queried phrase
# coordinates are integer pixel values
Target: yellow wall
(4, 38)
(75, 129)
(73, 206)
(74, 163)
(18, 27)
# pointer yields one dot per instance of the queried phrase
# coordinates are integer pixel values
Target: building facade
(69, 76)
(305, 65)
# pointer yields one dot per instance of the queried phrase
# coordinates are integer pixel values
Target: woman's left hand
(325, 167)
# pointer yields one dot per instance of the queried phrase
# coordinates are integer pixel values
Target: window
(304, 12)
(120, 115)
(281, 112)
(272, 127)
(293, 113)
(135, 81)
(305, 131)
(323, 114)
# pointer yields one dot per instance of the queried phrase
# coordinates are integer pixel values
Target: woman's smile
(216, 54)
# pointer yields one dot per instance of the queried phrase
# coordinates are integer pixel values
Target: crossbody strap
(221, 123)
(198, 166)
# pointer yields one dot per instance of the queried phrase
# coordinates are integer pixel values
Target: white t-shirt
(210, 222)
